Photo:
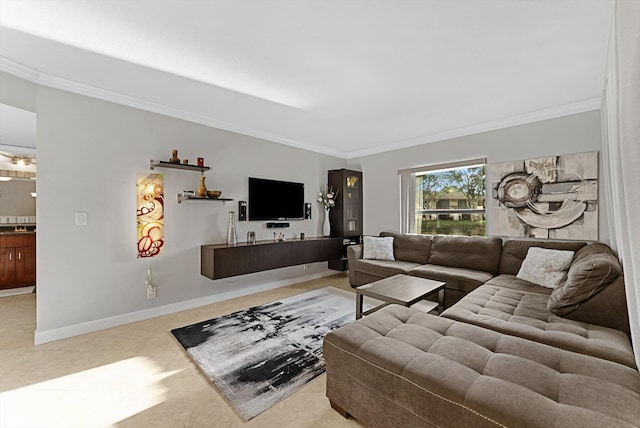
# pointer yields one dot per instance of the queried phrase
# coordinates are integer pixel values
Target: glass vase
(231, 230)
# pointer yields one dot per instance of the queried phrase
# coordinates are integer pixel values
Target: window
(444, 199)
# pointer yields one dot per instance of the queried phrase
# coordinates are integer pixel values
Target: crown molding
(537, 116)
(18, 70)
(51, 81)
(18, 150)
(44, 79)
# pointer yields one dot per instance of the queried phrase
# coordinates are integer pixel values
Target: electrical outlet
(152, 292)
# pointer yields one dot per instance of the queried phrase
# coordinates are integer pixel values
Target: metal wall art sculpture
(553, 197)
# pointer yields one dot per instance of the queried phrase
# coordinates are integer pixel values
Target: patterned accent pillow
(545, 267)
(378, 248)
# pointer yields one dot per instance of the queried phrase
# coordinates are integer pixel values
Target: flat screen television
(275, 200)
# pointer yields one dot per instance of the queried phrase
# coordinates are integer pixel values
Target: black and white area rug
(259, 356)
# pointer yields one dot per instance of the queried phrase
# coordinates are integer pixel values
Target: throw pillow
(378, 248)
(545, 267)
(594, 267)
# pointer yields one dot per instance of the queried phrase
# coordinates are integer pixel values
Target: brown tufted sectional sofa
(505, 352)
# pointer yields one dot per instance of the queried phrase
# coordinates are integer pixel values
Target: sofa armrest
(354, 252)
(608, 308)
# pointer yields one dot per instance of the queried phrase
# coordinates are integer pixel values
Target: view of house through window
(450, 201)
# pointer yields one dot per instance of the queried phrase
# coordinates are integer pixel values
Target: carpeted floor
(137, 375)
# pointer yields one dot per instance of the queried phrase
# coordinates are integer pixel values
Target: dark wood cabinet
(26, 263)
(223, 261)
(346, 216)
(7, 267)
(17, 260)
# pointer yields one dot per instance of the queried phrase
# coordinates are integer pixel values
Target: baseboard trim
(45, 336)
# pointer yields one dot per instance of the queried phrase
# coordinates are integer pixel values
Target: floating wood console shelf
(222, 261)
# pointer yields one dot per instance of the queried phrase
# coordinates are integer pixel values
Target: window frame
(408, 192)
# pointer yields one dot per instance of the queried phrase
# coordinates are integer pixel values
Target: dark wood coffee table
(400, 289)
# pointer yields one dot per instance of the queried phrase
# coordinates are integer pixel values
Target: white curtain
(621, 150)
(407, 202)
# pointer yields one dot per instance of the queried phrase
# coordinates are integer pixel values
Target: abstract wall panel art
(150, 214)
(554, 197)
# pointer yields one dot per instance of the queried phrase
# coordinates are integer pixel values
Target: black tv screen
(275, 200)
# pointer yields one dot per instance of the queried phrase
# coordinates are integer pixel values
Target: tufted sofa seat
(401, 367)
(509, 305)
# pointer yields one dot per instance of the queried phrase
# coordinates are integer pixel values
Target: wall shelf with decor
(163, 164)
(181, 198)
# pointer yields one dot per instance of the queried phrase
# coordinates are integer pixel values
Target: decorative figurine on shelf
(327, 199)
(202, 188)
(281, 237)
(185, 161)
(174, 157)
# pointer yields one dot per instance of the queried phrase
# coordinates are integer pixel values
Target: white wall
(17, 92)
(90, 151)
(89, 154)
(16, 199)
(570, 134)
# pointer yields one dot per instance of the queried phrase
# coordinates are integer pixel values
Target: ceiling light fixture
(5, 178)
(21, 161)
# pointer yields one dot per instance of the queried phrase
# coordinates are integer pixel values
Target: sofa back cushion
(469, 252)
(514, 252)
(594, 267)
(410, 247)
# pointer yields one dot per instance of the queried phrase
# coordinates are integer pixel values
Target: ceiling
(342, 77)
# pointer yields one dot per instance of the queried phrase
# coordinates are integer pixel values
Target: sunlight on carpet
(101, 396)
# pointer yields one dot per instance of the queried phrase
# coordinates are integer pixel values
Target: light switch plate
(82, 218)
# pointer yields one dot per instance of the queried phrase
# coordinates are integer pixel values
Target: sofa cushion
(545, 267)
(515, 250)
(410, 247)
(513, 283)
(421, 370)
(594, 267)
(469, 252)
(384, 268)
(456, 278)
(377, 248)
(524, 313)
